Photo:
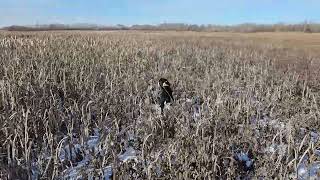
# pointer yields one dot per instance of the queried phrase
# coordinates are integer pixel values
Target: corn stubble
(66, 84)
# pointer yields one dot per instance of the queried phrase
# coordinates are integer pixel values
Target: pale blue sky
(128, 12)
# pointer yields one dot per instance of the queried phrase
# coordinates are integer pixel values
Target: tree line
(246, 27)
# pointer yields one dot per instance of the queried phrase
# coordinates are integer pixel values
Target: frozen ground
(82, 160)
(79, 156)
(83, 155)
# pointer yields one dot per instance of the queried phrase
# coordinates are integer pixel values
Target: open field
(82, 104)
(310, 43)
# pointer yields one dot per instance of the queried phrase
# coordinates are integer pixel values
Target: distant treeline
(57, 27)
(248, 27)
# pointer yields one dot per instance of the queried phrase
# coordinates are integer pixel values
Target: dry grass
(307, 42)
(97, 80)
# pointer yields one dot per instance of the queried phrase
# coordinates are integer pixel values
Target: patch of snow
(81, 167)
(67, 153)
(196, 112)
(158, 171)
(129, 154)
(74, 172)
(96, 132)
(302, 171)
(93, 143)
(34, 171)
(314, 171)
(314, 136)
(107, 171)
(306, 172)
(276, 124)
(276, 148)
(311, 172)
(266, 121)
(244, 158)
(84, 172)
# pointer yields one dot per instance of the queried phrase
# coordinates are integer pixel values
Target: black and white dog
(165, 94)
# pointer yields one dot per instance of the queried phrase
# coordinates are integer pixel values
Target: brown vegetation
(65, 85)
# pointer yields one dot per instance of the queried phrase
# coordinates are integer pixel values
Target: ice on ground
(83, 168)
(244, 159)
(308, 172)
(317, 152)
(129, 154)
(83, 172)
(314, 136)
(267, 122)
(158, 171)
(196, 112)
(34, 171)
(74, 172)
(93, 144)
(72, 150)
(107, 171)
(67, 153)
(276, 148)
